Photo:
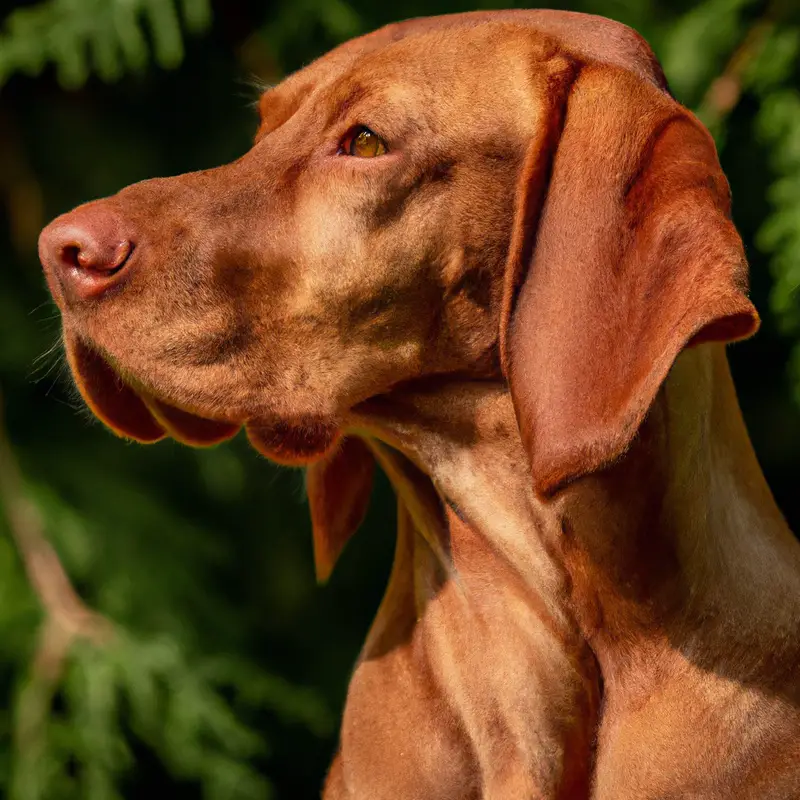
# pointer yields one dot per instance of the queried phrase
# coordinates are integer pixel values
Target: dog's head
(357, 244)
(510, 192)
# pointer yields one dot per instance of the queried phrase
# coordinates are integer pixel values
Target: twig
(725, 91)
(67, 618)
(45, 572)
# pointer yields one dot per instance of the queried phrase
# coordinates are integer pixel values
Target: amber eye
(363, 143)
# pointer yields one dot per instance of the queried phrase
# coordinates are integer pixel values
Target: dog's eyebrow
(340, 108)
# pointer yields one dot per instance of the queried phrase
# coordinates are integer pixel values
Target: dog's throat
(417, 499)
(455, 458)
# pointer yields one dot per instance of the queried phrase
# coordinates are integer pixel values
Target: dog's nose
(86, 251)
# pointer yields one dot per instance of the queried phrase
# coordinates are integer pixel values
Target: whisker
(48, 302)
(56, 364)
(62, 371)
(54, 316)
(50, 350)
(44, 364)
(252, 89)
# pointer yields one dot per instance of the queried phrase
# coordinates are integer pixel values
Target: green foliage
(699, 43)
(200, 561)
(189, 707)
(105, 37)
(778, 124)
(174, 703)
(756, 49)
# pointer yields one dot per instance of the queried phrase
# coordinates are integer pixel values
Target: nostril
(71, 256)
(119, 258)
(94, 257)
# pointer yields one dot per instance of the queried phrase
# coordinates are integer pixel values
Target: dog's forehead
(587, 37)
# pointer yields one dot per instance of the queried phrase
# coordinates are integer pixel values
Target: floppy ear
(634, 257)
(339, 487)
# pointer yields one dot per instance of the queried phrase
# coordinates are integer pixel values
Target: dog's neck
(679, 545)
(463, 437)
(477, 597)
(674, 564)
(686, 582)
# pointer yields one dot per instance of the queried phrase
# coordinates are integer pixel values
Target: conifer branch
(66, 617)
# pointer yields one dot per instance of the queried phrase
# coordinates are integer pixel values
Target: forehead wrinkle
(351, 94)
(335, 81)
(392, 108)
(333, 73)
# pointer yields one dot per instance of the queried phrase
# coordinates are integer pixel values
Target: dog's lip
(190, 427)
(134, 411)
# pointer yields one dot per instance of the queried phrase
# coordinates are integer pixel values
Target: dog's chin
(134, 413)
(294, 443)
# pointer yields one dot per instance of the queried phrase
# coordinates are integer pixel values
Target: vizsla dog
(491, 253)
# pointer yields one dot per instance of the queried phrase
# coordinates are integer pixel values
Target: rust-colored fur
(519, 312)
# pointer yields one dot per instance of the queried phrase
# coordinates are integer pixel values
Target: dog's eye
(363, 143)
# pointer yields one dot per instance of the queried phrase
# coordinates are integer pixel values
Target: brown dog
(476, 249)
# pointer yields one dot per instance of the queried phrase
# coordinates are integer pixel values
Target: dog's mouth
(135, 413)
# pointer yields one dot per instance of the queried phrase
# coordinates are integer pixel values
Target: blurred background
(160, 626)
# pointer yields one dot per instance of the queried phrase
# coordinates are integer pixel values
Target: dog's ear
(627, 256)
(339, 488)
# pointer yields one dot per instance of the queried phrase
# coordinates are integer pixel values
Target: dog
(492, 254)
